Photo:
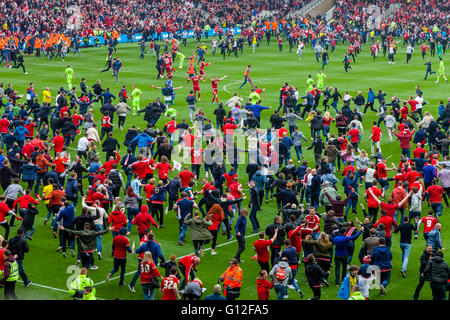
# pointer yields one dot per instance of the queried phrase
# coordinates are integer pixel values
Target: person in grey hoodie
(297, 137)
(291, 117)
(323, 200)
(280, 284)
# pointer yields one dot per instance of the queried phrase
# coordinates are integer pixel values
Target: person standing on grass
(240, 228)
(281, 274)
(82, 281)
(188, 267)
(121, 245)
(148, 272)
(147, 243)
(341, 253)
(232, 280)
(382, 258)
(261, 247)
(290, 252)
(406, 229)
(315, 275)
(426, 256)
(10, 276)
(18, 246)
(183, 208)
(438, 272)
(169, 285)
(199, 231)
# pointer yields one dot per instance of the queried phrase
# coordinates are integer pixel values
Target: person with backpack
(281, 274)
(290, 252)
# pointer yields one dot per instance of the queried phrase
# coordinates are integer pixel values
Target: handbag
(155, 283)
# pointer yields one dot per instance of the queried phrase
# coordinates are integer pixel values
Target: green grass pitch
(270, 69)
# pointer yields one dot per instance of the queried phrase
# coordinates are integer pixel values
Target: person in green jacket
(441, 71)
(10, 276)
(86, 241)
(78, 285)
(356, 294)
(199, 231)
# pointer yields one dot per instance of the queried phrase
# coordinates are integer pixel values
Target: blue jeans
(385, 277)
(298, 151)
(131, 213)
(292, 281)
(22, 271)
(352, 203)
(149, 294)
(183, 229)
(281, 291)
(388, 242)
(137, 274)
(99, 238)
(437, 209)
(406, 249)
(315, 235)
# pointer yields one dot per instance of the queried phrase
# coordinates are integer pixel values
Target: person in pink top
(405, 138)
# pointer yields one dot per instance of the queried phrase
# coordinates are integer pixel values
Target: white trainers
(131, 288)
(213, 252)
(290, 286)
(94, 268)
(108, 276)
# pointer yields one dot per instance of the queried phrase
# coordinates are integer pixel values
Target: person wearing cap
(121, 245)
(365, 277)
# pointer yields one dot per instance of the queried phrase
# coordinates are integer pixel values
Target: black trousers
(10, 290)
(274, 256)
(316, 292)
(241, 247)
(158, 208)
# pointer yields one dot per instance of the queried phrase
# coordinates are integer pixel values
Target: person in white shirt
(419, 105)
(83, 146)
(409, 51)
(300, 50)
(92, 133)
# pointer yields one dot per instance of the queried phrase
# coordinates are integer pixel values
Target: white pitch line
(208, 249)
(225, 86)
(52, 288)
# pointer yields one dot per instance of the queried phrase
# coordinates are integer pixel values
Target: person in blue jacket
(256, 109)
(72, 188)
(382, 258)
(29, 173)
(341, 253)
(350, 280)
(143, 141)
(370, 101)
(19, 133)
(67, 216)
(155, 249)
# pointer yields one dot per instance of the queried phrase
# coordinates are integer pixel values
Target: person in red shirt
(106, 125)
(140, 166)
(163, 168)
(29, 125)
(229, 128)
(188, 267)
(382, 173)
(397, 195)
(387, 222)
(171, 128)
(375, 137)
(229, 176)
(372, 204)
(428, 224)
(4, 124)
(196, 160)
(263, 285)
(169, 286)
(214, 83)
(312, 221)
(57, 142)
(143, 221)
(261, 247)
(121, 245)
(196, 86)
(24, 201)
(419, 150)
(435, 193)
(354, 136)
(4, 210)
(108, 164)
(186, 176)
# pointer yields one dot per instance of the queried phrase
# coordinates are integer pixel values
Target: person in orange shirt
(38, 46)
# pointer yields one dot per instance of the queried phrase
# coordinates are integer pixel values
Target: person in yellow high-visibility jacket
(232, 280)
